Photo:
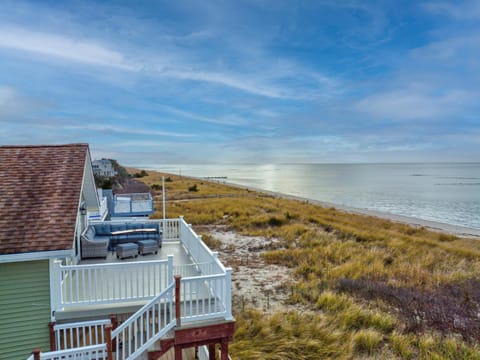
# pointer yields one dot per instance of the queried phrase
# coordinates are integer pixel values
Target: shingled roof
(39, 196)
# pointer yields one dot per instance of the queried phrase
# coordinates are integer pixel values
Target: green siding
(24, 308)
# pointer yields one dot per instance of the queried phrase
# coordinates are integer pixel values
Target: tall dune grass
(355, 278)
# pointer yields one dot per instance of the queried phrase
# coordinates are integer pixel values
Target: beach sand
(416, 222)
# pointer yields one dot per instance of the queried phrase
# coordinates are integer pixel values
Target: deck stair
(148, 325)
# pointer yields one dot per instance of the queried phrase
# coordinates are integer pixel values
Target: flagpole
(163, 202)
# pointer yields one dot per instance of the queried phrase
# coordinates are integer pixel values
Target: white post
(53, 288)
(228, 294)
(181, 223)
(58, 288)
(169, 269)
(163, 202)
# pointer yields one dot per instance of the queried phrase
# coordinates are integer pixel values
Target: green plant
(367, 341)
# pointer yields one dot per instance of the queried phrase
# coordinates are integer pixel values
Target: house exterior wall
(103, 167)
(24, 308)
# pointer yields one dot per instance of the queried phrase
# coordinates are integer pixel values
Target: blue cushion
(90, 233)
(118, 227)
(102, 229)
(127, 246)
(152, 236)
(101, 238)
(135, 237)
(134, 226)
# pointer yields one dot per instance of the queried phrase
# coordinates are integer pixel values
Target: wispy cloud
(466, 10)
(73, 49)
(222, 120)
(14, 106)
(125, 130)
(174, 66)
(413, 104)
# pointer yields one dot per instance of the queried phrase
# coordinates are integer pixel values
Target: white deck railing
(170, 227)
(206, 297)
(103, 207)
(101, 214)
(80, 285)
(80, 334)
(132, 204)
(146, 326)
(94, 352)
(200, 253)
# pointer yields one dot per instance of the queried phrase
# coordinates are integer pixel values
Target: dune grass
(367, 287)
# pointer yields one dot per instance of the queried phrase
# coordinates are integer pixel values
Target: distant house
(45, 192)
(103, 168)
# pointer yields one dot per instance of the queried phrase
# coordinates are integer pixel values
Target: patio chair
(94, 247)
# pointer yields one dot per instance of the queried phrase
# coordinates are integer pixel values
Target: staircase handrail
(92, 352)
(137, 320)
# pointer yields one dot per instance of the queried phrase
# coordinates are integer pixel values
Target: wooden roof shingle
(39, 196)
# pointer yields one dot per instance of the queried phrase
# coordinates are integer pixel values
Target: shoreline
(461, 231)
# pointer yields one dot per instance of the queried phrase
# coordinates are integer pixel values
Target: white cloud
(468, 10)
(246, 84)
(214, 120)
(124, 130)
(15, 106)
(412, 104)
(7, 94)
(59, 46)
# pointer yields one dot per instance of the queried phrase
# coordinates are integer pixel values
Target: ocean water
(442, 192)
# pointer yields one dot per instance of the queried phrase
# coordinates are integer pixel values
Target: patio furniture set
(127, 239)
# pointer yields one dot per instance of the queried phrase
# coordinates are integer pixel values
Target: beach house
(104, 168)
(74, 287)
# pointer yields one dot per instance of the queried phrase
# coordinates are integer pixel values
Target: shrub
(141, 174)
(367, 341)
(156, 187)
(274, 221)
(193, 188)
(212, 242)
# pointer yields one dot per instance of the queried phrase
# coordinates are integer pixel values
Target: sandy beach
(431, 225)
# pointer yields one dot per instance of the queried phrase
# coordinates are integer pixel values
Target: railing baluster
(129, 339)
(71, 339)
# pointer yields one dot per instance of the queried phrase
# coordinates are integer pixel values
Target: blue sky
(170, 82)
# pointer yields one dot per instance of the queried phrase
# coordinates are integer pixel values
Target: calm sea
(447, 193)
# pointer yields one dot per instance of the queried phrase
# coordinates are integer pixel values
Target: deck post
(113, 320)
(211, 351)
(36, 354)
(51, 331)
(169, 269)
(178, 279)
(228, 294)
(108, 340)
(178, 353)
(224, 349)
(181, 221)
